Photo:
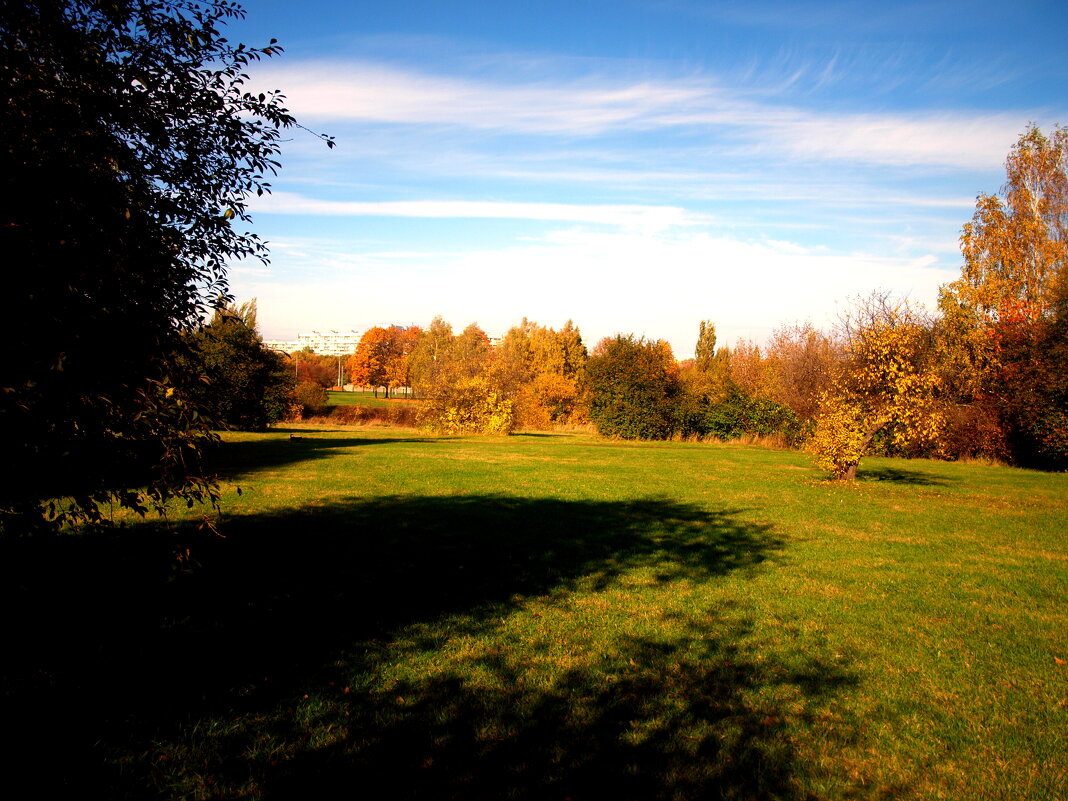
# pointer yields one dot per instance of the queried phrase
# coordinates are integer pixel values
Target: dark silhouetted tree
(130, 149)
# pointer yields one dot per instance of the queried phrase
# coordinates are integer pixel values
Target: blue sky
(635, 166)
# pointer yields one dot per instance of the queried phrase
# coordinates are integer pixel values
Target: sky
(635, 166)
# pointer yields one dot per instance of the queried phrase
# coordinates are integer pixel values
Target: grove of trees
(533, 378)
(382, 358)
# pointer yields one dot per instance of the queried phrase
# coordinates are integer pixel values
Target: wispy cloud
(653, 218)
(591, 106)
(372, 92)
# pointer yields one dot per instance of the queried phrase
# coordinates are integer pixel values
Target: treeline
(986, 375)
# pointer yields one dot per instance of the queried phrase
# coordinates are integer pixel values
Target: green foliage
(633, 386)
(736, 415)
(130, 148)
(240, 383)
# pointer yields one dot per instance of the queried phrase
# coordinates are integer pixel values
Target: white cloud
(372, 92)
(650, 218)
(367, 92)
(660, 285)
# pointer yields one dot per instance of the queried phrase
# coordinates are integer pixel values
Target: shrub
(468, 406)
(633, 388)
(310, 397)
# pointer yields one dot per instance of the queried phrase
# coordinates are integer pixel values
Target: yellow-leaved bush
(469, 405)
(886, 381)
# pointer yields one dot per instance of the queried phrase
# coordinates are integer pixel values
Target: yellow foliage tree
(1005, 319)
(469, 405)
(886, 381)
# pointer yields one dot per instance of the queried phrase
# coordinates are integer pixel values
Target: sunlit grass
(393, 614)
(363, 397)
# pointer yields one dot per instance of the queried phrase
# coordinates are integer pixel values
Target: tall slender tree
(1006, 318)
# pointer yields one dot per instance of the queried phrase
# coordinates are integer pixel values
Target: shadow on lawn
(899, 475)
(235, 459)
(121, 642)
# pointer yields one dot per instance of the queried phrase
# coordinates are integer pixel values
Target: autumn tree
(382, 358)
(471, 351)
(368, 365)
(451, 374)
(707, 379)
(705, 349)
(542, 371)
(431, 362)
(750, 370)
(886, 381)
(801, 362)
(399, 368)
(131, 146)
(315, 368)
(1004, 318)
(633, 385)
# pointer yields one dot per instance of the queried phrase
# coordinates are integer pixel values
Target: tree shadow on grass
(899, 475)
(235, 459)
(122, 642)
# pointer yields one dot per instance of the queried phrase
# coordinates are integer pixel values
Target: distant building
(325, 343)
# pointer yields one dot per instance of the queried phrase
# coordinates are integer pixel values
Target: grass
(399, 615)
(362, 398)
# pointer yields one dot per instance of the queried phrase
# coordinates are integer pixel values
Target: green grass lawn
(335, 398)
(552, 616)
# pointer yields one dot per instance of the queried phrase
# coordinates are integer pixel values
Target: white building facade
(324, 343)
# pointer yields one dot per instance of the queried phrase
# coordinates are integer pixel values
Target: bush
(737, 415)
(549, 399)
(310, 397)
(633, 388)
(468, 406)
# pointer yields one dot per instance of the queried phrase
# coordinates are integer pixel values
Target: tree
(315, 368)
(706, 378)
(452, 374)
(1003, 319)
(369, 365)
(241, 384)
(705, 349)
(471, 351)
(382, 358)
(801, 364)
(430, 363)
(887, 381)
(540, 370)
(398, 369)
(130, 149)
(633, 386)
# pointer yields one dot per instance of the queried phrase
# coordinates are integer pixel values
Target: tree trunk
(850, 473)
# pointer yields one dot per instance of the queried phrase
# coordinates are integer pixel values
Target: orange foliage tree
(382, 358)
(1005, 318)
